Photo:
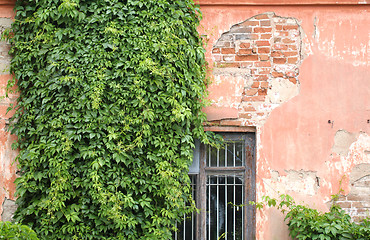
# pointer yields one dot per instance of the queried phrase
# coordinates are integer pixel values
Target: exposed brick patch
(357, 203)
(269, 46)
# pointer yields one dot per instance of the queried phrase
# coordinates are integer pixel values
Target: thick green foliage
(110, 103)
(308, 223)
(15, 231)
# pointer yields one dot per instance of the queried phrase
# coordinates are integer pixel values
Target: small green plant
(16, 231)
(307, 223)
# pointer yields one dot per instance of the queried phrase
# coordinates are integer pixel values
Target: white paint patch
(281, 91)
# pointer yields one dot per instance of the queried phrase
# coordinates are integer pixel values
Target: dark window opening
(223, 183)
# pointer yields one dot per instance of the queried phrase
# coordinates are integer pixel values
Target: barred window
(223, 183)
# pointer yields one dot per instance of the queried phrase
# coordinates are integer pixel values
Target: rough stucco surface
(289, 101)
(298, 151)
(7, 155)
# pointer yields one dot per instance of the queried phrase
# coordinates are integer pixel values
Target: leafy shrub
(307, 223)
(110, 103)
(16, 231)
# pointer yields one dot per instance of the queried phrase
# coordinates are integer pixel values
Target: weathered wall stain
(297, 149)
(256, 68)
(9, 208)
(356, 202)
(7, 155)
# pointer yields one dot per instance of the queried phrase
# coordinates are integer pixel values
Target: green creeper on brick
(111, 93)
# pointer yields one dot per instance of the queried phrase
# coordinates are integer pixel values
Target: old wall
(299, 72)
(7, 155)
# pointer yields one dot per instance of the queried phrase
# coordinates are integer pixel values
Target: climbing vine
(110, 103)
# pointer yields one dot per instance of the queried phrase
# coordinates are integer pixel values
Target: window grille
(223, 182)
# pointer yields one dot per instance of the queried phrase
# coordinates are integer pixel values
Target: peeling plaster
(281, 90)
(9, 208)
(351, 46)
(293, 181)
(343, 141)
(341, 165)
(256, 103)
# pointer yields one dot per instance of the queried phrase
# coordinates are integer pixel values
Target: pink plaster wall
(334, 85)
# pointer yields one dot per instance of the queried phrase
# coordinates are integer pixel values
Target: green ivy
(308, 223)
(16, 231)
(111, 93)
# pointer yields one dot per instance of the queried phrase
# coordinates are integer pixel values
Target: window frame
(249, 176)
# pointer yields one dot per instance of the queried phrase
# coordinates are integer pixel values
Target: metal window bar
(227, 213)
(225, 217)
(186, 230)
(233, 148)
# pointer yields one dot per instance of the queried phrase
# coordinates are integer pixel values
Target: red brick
(264, 84)
(216, 50)
(264, 70)
(293, 80)
(344, 204)
(293, 47)
(262, 64)
(287, 40)
(227, 65)
(228, 50)
(262, 30)
(245, 45)
(353, 197)
(246, 57)
(228, 58)
(279, 27)
(254, 36)
(255, 85)
(265, 23)
(279, 60)
(250, 23)
(245, 115)
(292, 60)
(264, 57)
(224, 44)
(254, 99)
(283, 33)
(288, 27)
(244, 51)
(262, 43)
(291, 73)
(262, 92)
(231, 122)
(280, 46)
(264, 50)
(265, 36)
(277, 74)
(362, 210)
(249, 108)
(276, 54)
(260, 77)
(251, 92)
(262, 16)
(358, 204)
(277, 40)
(290, 54)
(246, 64)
